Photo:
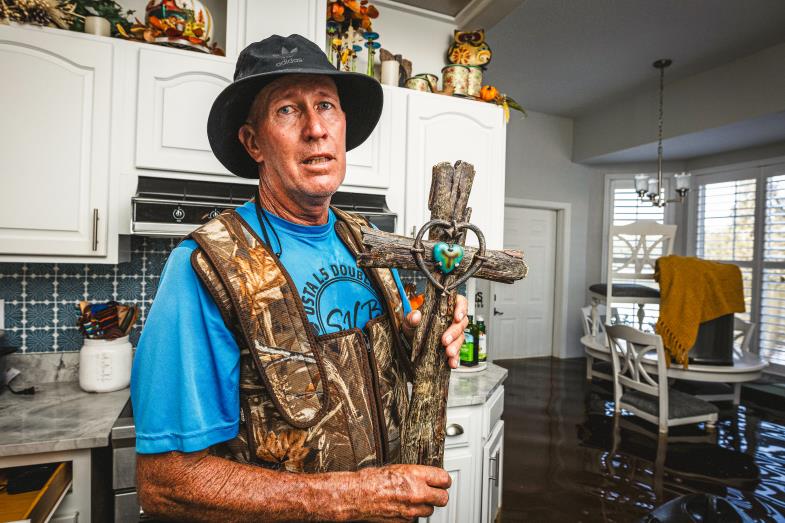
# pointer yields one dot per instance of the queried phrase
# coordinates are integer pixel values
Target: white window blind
(726, 228)
(772, 313)
(726, 221)
(628, 208)
(731, 228)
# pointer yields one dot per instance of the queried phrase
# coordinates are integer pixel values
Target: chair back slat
(628, 348)
(634, 249)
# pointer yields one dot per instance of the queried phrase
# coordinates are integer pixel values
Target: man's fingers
(453, 333)
(414, 318)
(461, 307)
(436, 477)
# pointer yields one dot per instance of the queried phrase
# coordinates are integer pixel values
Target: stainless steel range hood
(169, 207)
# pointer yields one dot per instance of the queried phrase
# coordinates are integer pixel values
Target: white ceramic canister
(105, 365)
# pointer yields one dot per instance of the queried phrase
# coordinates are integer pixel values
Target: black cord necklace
(261, 215)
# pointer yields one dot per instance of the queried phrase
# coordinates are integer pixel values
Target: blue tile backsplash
(41, 299)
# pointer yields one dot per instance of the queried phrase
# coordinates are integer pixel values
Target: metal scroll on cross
(446, 263)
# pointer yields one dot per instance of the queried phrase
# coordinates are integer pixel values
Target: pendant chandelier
(652, 189)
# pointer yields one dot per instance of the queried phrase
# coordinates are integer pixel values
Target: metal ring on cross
(454, 229)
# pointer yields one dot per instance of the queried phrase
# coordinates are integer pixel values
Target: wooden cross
(446, 263)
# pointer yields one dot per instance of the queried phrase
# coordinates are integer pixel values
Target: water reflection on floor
(567, 458)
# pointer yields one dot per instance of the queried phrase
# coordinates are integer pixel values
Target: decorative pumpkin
(488, 93)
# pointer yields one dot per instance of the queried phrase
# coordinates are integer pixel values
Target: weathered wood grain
(391, 250)
(423, 430)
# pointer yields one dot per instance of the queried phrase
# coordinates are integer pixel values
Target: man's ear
(247, 136)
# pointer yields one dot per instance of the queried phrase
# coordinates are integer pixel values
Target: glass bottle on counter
(468, 353)
(482, 351)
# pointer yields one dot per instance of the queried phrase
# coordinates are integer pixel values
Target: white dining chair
(646, 394)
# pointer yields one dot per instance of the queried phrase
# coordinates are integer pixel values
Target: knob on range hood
(174, 208)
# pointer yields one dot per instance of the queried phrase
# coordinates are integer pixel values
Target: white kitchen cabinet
(492, 459)
(175, 94)
(448, 129)
(458, 464)
(252, 20)
(469, 449)
(54, 143)
(372, 164)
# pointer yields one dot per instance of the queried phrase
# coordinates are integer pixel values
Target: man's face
(296, 131)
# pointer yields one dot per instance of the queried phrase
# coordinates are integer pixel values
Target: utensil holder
(105, 365)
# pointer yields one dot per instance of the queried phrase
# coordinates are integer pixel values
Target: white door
(54, 142)
(522, 313)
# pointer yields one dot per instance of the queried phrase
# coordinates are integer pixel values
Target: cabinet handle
(495, 468)
(95, 230)
(454, 429)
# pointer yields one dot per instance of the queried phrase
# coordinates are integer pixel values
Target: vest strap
(266, 307)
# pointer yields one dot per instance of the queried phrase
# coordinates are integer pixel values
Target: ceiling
(754, 132)
(568, 57)
(445, 7)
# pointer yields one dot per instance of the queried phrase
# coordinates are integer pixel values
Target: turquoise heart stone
(447, 256)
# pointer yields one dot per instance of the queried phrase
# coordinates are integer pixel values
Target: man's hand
(403, 492)
(198, 487)
(452, 339)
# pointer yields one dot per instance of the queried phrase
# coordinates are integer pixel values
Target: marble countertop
(59, 416)
(474, 388)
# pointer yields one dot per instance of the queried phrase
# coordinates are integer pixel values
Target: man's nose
(314, 126)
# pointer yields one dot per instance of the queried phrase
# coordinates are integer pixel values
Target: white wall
(539, 167)
(422, 40)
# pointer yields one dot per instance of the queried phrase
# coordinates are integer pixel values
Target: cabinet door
(447, 129)
(54, 142)
(492, 460)
(262, 19)
(176, 91)
(371, 164)
(457, 463)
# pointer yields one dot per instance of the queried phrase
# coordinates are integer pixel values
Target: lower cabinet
(492, 459)
(473, 457)
(458, 463)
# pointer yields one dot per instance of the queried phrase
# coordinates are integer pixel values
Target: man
(245, 375)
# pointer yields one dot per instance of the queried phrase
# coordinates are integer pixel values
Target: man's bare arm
(201, 487)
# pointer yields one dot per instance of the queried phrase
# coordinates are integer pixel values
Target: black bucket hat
(262, 62)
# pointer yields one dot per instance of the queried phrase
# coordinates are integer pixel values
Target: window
(772, 313)
(740, 219)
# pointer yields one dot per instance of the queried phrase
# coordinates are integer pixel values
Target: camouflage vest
(307, 404)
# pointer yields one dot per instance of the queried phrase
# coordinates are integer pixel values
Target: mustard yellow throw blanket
(693, 291)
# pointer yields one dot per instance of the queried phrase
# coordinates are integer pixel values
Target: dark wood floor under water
(566, 460)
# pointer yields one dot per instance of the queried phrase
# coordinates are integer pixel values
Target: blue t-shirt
(185, 379)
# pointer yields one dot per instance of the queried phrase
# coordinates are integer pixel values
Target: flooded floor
(567, 459)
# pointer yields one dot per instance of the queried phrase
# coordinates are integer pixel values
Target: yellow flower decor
(490, 94)
(351, 13)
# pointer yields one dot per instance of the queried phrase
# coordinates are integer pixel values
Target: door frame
(563, 220)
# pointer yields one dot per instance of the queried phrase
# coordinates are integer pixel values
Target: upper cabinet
(54, 143)
(448, 129)
(176, 91)
(257, 20)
